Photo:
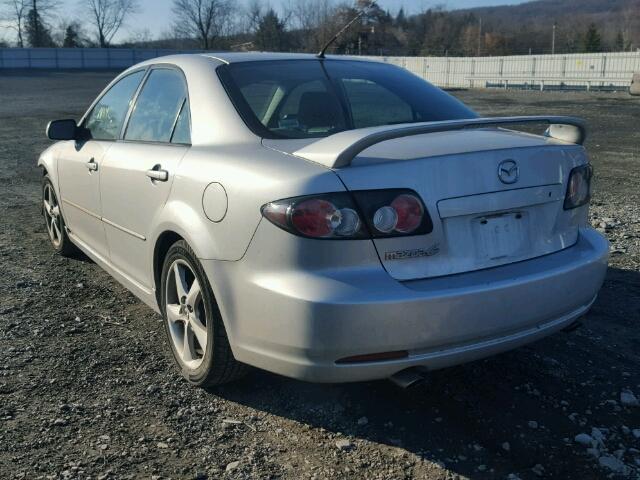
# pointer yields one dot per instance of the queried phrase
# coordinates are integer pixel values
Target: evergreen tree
(620, 43)
(401, 18)
(592, 40)
(71, 37)
(271, 34)
(38, 35)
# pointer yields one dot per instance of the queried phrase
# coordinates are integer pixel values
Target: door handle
(92, 165)
(157, 174)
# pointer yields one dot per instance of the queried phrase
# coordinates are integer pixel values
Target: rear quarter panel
(252, 176)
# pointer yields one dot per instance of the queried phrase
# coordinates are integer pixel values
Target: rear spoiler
(340, 149)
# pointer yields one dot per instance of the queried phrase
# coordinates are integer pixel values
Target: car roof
(184, 59)
(235, 57)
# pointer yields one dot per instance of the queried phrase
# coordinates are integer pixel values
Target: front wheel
(193, 322)
(54, 220)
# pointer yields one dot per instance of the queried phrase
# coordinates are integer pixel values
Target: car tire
(54, 221)
(189, 311)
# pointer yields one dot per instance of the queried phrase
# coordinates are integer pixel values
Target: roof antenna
(366, 4)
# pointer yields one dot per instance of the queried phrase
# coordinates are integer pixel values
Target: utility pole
(553, 40)
(479, 37)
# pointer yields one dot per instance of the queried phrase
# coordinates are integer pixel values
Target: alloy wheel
(52, 215)
(186, 314)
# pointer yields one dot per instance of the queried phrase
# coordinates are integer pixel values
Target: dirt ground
(87, 389)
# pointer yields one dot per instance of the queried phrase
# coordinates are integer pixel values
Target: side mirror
(62, 130)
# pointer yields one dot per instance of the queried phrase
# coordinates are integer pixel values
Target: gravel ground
(87, 389)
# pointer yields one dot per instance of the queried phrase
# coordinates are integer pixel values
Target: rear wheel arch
(219, 365)
(169, 232)
(162, 246)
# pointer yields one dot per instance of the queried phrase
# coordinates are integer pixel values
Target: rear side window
(106, 119)
(157, 108)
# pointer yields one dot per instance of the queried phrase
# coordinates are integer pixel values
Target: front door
(79, 182)
(80, 164)
(137, 172)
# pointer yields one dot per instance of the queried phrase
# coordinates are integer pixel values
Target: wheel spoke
(187, 344)
(200, 331)
(47, 207)
(193, 294)
(56, 211)
(181, 282)
(56, 229)
(173, 312)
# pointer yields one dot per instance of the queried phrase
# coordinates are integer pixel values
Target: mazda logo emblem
(508, 171)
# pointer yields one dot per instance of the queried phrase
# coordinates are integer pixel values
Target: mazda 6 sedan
(328, 219)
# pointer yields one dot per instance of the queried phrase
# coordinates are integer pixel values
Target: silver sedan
(329, 219)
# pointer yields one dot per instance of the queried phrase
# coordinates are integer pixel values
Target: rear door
(79, 165)
(138, 171)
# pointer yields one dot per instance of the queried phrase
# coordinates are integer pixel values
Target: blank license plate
(500, 236)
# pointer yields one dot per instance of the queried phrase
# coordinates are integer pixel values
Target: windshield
(312, 98)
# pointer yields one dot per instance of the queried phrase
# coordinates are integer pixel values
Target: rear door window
(182, 132)
(157, 108)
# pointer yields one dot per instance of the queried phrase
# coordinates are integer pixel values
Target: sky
(155, 15)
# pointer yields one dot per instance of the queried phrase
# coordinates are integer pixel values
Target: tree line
(305, 25)
(32, 21)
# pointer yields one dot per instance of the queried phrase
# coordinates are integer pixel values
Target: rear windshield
(312, 98)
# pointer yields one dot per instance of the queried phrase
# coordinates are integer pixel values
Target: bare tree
(204, 20)
(107, 16)
(254, 13)
(14, 12)
(316, 21)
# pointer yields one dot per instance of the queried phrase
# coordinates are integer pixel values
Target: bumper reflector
(374, 357)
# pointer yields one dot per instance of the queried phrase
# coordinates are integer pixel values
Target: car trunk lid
(479, 220)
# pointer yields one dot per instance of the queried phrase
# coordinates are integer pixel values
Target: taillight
(393, 213)
(410, 212)
(578, 187)
(352, 215)
(319, 216)
(314, 218)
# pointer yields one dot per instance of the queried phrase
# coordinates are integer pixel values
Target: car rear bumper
(299, 322)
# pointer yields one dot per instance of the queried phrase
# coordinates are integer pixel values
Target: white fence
(597, 70)
(601, 70)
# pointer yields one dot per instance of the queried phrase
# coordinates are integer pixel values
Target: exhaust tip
(409, 378)
(572, 327)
